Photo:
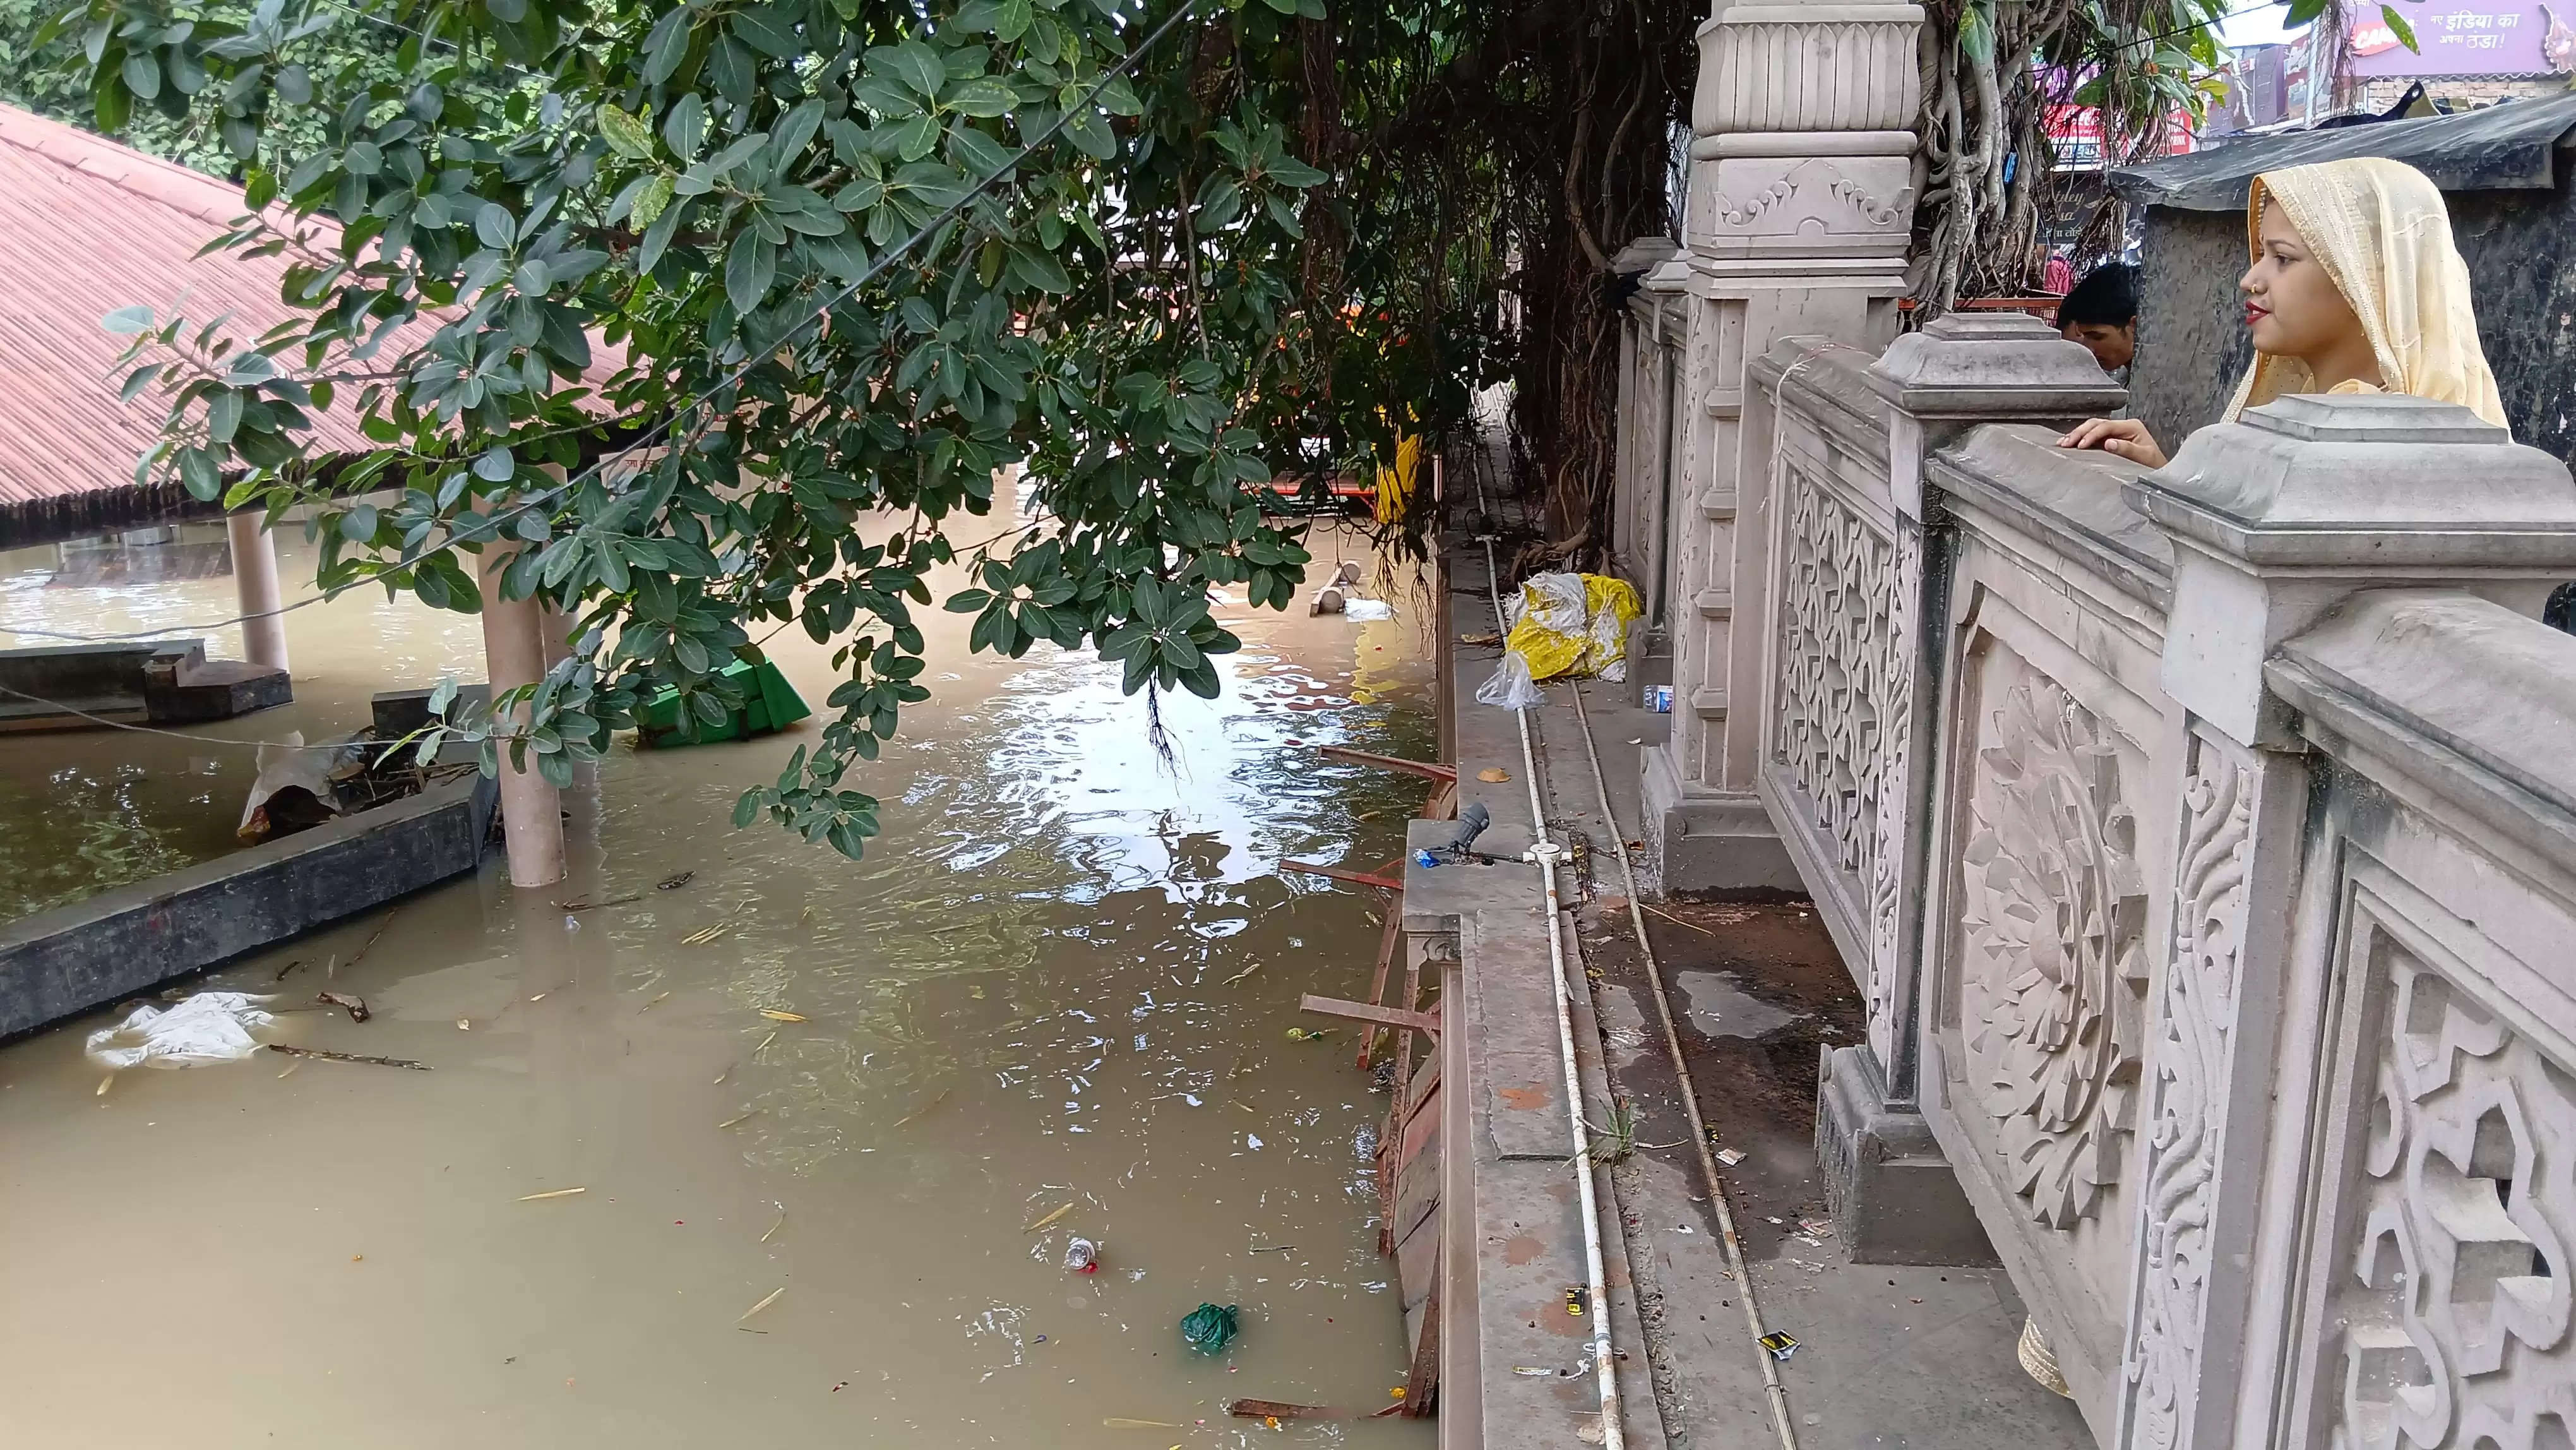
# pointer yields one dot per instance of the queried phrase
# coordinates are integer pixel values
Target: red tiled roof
(88, 226)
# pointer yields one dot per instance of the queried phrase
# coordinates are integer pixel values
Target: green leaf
(984, 96)
(652, 200)
(750, 266)
(127, 321)
(142, 74)
(2397, 22)
(1091, 135)
(1011, 20)
(624, 132)
(494, 224)
(685, 129)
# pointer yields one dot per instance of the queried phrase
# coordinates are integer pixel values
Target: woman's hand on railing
(2122, 437)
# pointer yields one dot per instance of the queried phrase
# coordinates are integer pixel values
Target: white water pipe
(1547, 853)
(1778, 1393)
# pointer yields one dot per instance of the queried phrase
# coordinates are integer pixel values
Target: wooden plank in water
(1360, 878)
(1370, 1012)
(1429, 770)
(1387, 941)
(1422, 1386)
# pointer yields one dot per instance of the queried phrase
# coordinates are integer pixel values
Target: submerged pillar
(514, 654)
(255, 577)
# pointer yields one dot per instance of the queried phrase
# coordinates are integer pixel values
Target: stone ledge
(132, 938)
(1893, 1197)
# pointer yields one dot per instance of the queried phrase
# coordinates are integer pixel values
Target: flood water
(1062, 980)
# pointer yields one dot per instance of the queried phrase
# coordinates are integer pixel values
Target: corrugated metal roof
(86, 227)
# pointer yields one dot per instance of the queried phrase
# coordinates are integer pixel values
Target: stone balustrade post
(1799, 208)
(1892, 1191)
(2275, 520)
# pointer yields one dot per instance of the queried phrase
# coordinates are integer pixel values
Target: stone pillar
(1637, 540)
(514, 654)
(1894, 1196)
(1799, 211)
(2275, 520)
(255, 579)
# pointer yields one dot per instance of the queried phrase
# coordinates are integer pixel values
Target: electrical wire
(491, 526)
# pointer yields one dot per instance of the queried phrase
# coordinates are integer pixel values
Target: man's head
(2102, 313)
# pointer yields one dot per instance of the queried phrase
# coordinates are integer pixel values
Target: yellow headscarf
(2380, 230)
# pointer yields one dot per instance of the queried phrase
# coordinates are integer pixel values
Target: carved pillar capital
(1979, 367)
(1801, 157)
(2281, 515)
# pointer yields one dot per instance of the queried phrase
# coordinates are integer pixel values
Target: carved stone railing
(2423, 1284)
(2204, 842)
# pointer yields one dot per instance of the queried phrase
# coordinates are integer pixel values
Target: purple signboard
(2468, 38)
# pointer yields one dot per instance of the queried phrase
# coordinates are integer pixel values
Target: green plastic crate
(770, 704)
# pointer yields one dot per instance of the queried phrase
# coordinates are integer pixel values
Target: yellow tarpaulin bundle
(1395, 485)
(1564, 624)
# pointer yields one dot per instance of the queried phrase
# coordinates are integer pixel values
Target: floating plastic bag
(209, 1027)
(1562, 624)
(1361, 611)
(1209, 1329)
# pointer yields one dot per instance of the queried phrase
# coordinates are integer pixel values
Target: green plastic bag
(1209, 1329)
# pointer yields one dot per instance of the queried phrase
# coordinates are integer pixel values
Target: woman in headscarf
(2355, 287)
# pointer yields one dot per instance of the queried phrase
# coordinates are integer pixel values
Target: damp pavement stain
(1031, 996)
(1718, 1006)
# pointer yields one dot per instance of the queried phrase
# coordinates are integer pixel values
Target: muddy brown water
(1060, 981)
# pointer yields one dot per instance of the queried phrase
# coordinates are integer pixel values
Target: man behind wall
(2102, 313)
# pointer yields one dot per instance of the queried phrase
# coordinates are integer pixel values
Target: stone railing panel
(2050, 848)
(2427, 1287)
(1837, 613)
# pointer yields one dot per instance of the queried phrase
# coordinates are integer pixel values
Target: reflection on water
(1061, 981)
(78, 831)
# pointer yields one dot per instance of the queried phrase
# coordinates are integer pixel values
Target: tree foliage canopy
(744, 253)
(566, 231)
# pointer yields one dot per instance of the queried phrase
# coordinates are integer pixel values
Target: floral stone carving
(2455, 1277)
(2054, 974)
(2198, 1018)
(1844, 702)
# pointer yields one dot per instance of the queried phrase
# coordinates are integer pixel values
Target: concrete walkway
(1887, 1356)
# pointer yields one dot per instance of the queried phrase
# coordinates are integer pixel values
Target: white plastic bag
(1361, 611)
(288, 766)
(209, 1027)
(1510, 686)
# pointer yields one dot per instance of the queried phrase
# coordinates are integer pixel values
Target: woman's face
(2291, 306)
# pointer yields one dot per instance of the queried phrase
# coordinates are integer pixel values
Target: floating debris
(739, 1117)
(328, 1056)
(674, 881)
(1050, 1218)
(348, 1002)
(656, 1002)
(927, 1108)
(763, 1304)
(702, 937)
(775, 1227)
(552, 1193)
(774, 1015)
